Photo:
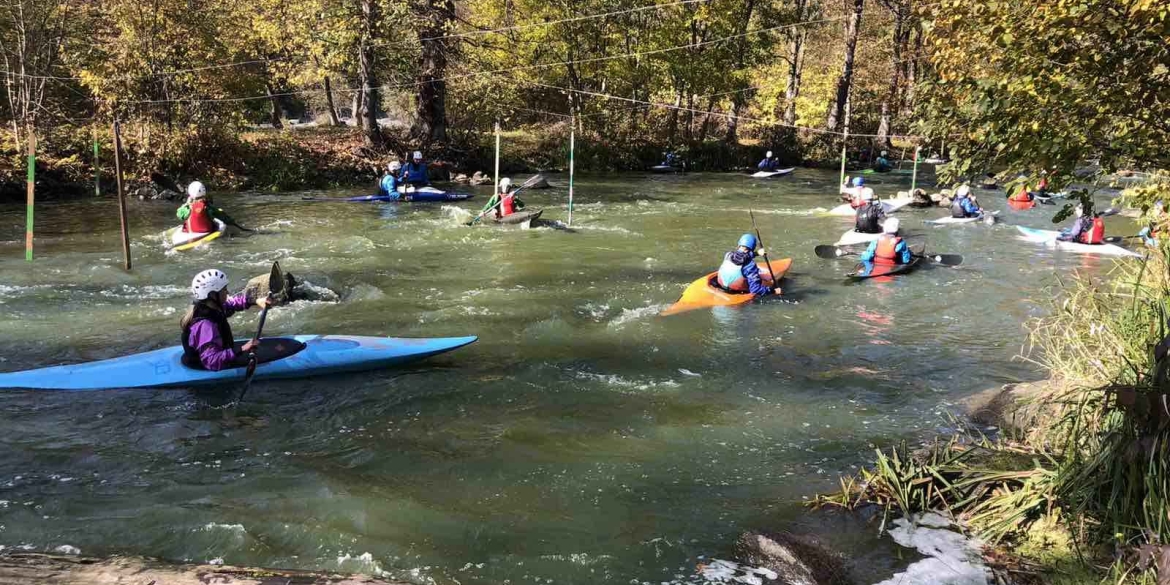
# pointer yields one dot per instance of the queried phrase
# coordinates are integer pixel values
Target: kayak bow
(702, 293)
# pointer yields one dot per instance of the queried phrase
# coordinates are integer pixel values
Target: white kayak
(770, 174)
(888, 205)
(852, 238)
(177, 237)
(954, 220)
(1048, 237)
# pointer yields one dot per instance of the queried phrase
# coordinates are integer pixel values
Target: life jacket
(868, 219)
(199, 222)
(413, 172)
(957, 210)
(855, 200)
(730, 275)
(1021, 196)
(204, 312)
(1095, 234)
(507, 204)
(1042, 186)
(886, 252)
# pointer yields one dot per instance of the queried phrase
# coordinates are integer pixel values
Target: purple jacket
(214, 354)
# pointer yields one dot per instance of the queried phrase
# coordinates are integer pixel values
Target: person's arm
(183, 212)
(517, 202)
(1073, 232)
(903, 252)
(756, 284)
(868, 254)
(214, 353)
(236, 303)
(494, 201)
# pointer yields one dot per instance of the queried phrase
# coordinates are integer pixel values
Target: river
(582, 439)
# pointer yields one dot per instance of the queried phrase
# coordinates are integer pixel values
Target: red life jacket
(856, 201)
(886, 252)
(199, 222)
(1021, 196)
(1096, 233)
(1042, 185)
(508, 204)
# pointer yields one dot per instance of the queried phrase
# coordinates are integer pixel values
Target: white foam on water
(66, 549)
(620, 382)
(629, 315)
(213, 526)
(687, 372)
(954, 559)
(721, 571)
(363, 563)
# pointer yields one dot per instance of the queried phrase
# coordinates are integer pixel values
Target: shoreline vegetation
(1073, 485)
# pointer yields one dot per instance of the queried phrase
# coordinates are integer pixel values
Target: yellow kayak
(703, 293)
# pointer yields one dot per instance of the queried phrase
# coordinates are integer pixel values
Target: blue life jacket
(730, 275)
(414, 173)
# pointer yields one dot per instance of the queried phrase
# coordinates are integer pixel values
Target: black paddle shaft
(760, 241)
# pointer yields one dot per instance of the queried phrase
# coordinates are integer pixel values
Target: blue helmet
(748, 241)
(858, 181)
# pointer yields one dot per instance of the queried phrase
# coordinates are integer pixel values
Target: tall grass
(1099, 461)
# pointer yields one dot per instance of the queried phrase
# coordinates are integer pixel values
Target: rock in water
(258, 288)
(797, 560)
(480, 179)
(921, 199)
(461, 178)
(540, 183)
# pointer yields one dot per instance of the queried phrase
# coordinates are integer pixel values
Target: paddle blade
(828, 252)
(947, 259)
(275, 280)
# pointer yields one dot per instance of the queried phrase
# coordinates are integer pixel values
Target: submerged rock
(796, 560)
(540, 183)
(480, 178)
(294, 290)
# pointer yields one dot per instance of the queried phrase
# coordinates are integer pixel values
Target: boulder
(921, 199)
(153, 192)
(796, 560)
(461, 178)
(294, 290)
(540, 183)
(480, 179)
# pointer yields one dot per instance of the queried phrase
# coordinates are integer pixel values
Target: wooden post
(572, 145)
(497, 174)
(845, 141)
(914, 176)
(121, 196)
(97, 171)
(32, 191)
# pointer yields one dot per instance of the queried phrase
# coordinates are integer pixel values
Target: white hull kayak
(853, 238)
(889, 205)
(1048, 238)
(770, 174)
(177, 237)
(954, 220)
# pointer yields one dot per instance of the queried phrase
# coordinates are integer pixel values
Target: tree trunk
(706, 125)
(672, 127)
(890, 104)
(334, 120)
(355, 108)
(274, 106)
(437, 16)
(368, 71)
(738, 98)
(845, 82)
(796, 41)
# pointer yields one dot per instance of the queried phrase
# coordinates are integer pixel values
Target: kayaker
(853, 194)
(1153, 231)
(1087, 228)
(889, 248)
(1042, 186)
(668, 159)
(769, 164)
(198, 214)
(505, 202)
(388, 186)
(870, 215)
(739, 273)
(882, 164)
(415, 172)
(1024, 195)
(965, 204)
(208, 343)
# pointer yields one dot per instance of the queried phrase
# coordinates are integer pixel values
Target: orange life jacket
(507, 204)
(199, 222)
(886, 252)
(1096, 233)
(1021, 196)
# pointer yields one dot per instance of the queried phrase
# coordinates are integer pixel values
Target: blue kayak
(279, 357)
(421, 195)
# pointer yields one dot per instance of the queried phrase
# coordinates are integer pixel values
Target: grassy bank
(1080, 493)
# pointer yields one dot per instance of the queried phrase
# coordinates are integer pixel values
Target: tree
(1031, 87)
(435, 19)
(845, 81)
(32, 36)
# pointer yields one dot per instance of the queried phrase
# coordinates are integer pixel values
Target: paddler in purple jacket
(207, 338)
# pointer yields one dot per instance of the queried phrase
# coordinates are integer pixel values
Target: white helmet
(417, 155)
(207, 282)
(891, 226)
(867, 194)
(394, 166)
(505, 183)
(963, 191)
(196, 190)
(769, 155)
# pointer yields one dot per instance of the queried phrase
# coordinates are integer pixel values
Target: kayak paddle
(833, 252)
(1119, 239)
(275, 287)
(760, 240)
(534, 179)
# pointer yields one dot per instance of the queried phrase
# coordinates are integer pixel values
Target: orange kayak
(701, 293)
(1021, 205)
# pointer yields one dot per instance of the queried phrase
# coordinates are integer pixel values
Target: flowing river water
(582, 439)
